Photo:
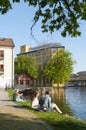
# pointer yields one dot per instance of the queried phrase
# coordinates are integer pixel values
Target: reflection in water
(60, 100)
(72, 100)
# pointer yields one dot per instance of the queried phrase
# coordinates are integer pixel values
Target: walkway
(14, 118)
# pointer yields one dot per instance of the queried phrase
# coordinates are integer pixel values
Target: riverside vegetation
(56, 120)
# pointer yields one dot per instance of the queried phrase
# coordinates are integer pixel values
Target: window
(21, 82)
(1, 68)
(38, 59)
(34, 53)
(27, 82)
(1, 53)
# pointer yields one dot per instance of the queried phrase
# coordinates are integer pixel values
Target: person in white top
(35, 101)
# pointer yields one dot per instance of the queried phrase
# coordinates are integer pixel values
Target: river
(71, 100)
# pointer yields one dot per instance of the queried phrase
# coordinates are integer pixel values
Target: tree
(27, 65)
(63, 15)
(59, 68)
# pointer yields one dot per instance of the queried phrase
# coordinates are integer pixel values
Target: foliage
(63, 15)
(5, 5)
(10, 93)
(27, 65)
(59, 68)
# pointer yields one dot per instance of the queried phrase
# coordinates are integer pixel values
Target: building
(6, 63)
(78, 79)
(42, 54)
(23, 81)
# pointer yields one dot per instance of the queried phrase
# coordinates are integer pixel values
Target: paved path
(14, 118)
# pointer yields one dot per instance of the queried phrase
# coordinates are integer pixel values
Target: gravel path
(14, 118)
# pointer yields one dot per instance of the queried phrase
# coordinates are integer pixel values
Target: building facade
(42, 55)
(78, 79)
(6, 63)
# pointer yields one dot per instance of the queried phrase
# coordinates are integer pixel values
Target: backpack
(44, 104)
(43, 101)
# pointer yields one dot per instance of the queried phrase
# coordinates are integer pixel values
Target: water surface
(71, 100)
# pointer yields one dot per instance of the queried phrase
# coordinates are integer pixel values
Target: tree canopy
(59, 68)
(26, 65)
(63, 15)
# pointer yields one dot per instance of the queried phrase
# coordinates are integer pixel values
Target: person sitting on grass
(18, 97)
(35, 101)
(46, 105)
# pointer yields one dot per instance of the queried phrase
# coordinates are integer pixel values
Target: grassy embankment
(57, 121)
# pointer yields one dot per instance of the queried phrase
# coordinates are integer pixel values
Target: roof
(49, 45)
(81, 72)
(6, 42)
(22, 76)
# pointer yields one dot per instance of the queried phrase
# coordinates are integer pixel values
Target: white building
(6, 63)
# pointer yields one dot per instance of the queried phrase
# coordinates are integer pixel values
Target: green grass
(56, 120)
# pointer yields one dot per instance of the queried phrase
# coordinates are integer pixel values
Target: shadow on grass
(11, 122)
(65, 123)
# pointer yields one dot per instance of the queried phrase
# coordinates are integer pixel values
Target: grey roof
(81, 72)
(49, 45)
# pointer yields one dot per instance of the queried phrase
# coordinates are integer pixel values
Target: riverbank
(56, 120)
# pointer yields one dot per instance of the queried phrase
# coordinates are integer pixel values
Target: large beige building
(42, 54)
(6, 63)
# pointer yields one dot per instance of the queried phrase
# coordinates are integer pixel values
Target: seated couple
(44, 103)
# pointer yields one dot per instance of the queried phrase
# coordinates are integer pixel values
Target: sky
(17, 22)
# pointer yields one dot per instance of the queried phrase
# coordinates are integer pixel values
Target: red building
(23, 81)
